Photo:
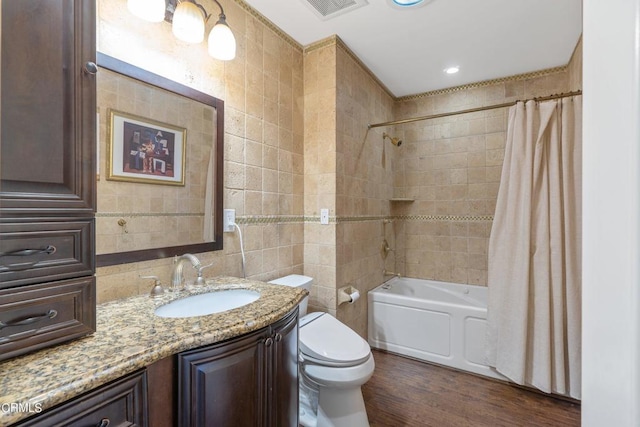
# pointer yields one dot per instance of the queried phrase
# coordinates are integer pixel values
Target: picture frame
(144, 150)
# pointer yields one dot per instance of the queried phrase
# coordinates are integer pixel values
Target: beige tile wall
(365, 182)
(320, 173)
(264, 124)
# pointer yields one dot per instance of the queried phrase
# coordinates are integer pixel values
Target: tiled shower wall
(449, 172)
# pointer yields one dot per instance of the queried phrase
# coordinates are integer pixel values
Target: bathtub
(437, 322)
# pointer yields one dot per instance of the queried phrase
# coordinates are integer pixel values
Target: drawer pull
(278, 337)
(29, 320)
(104, 422)
(50, 249)
(268, 342)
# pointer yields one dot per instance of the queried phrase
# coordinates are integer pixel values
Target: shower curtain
(534, 278)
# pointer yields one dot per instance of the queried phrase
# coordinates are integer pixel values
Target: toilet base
(331, 407)
(341, 408)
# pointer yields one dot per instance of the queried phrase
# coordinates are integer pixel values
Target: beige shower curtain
(534, 315)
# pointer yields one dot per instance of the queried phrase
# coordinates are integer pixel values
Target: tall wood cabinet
(47, 172)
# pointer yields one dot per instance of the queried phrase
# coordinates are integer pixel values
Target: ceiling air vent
(327, 9)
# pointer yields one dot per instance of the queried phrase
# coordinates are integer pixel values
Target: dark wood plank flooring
(406, 392)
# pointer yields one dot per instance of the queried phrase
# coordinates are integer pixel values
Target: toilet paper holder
(348, 294)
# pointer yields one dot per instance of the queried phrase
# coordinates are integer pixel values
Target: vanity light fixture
(188, 19)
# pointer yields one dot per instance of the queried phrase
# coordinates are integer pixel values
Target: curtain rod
(474, 110)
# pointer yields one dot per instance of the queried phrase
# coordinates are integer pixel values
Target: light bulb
(188, 23)
(222, 43)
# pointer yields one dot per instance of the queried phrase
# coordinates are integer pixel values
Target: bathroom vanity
(142, 369)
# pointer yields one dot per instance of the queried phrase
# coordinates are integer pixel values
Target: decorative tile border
(294, 219)
(146, 214)
(449, 218)
(271, 219)
(485, 83)
(273, 27)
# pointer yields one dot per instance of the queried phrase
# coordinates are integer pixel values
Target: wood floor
(406, 392)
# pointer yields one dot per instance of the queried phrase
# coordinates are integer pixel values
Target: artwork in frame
(144, 150)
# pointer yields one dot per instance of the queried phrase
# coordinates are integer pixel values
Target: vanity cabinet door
(247, 381)
(282, 404)
(223, 384)
(48, 109)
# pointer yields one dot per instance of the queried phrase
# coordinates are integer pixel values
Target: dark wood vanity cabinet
(250, 380)
(246, 381)
(47, 172)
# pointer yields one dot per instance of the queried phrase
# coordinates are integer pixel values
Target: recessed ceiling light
(405, 4)
(452, 70)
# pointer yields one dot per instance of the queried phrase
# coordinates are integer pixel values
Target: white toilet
(334, 363)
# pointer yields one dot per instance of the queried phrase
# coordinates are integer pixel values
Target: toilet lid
(326, 338)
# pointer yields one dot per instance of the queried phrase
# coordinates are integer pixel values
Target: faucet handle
(200, 280)
(157, 287)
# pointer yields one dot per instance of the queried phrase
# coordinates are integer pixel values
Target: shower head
(395, 141)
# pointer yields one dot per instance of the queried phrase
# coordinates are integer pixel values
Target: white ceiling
(408, 49)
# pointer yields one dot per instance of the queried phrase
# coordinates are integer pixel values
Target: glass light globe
(222, 43)
(188, 23)
(149, 10)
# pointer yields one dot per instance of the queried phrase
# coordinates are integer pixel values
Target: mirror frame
(131, 71)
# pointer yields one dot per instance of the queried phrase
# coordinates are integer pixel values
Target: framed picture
(144, 150)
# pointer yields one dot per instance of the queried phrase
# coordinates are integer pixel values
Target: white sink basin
(208, 303)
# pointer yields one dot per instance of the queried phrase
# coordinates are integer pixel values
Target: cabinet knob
(268, 342)
(278, 337)
(90, 68)
(104, 422)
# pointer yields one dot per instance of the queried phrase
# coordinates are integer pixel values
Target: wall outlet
(324, 216)
(228, 219)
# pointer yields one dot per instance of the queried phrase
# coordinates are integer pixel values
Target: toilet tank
(296, 281)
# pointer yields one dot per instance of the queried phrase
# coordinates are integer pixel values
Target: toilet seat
(340, 377)
(324, 340)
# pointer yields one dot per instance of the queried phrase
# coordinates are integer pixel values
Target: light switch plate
(324, 216)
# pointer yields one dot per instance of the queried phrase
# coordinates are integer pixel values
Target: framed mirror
(160, 166)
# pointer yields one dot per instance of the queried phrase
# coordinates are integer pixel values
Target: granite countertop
(130, 336)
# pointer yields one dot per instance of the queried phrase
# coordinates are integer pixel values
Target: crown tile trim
(485, 83)
(273, 27)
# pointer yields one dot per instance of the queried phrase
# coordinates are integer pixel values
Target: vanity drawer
(118, 404)
(37, 316)
(32, 251)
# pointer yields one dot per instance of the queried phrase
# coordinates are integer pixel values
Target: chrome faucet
(177, 276)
